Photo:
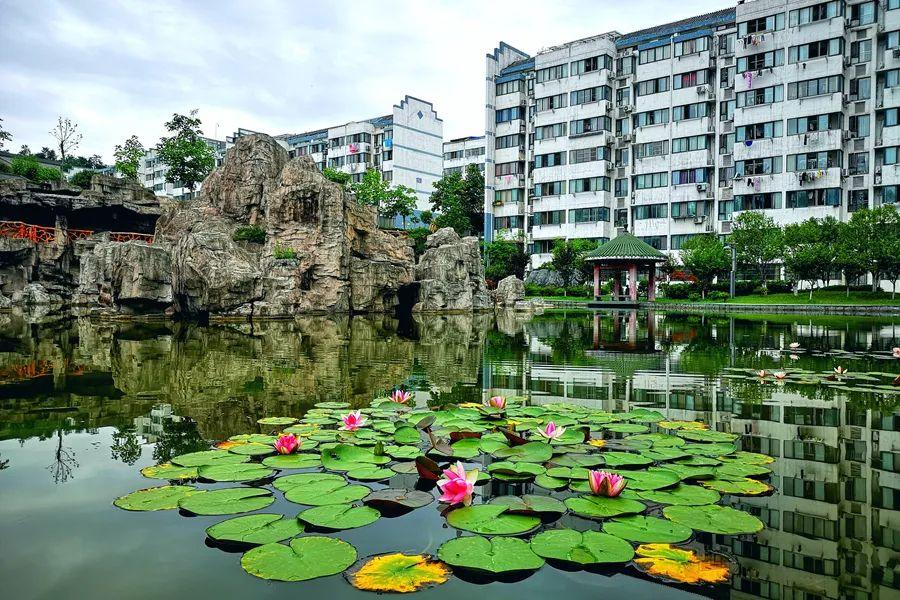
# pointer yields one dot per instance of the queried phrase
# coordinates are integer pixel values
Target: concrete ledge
(819, 309)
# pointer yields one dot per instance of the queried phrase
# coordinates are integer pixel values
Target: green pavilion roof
(625, 247)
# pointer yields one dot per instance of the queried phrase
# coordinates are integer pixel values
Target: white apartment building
(462, 152)
(404, 146)
(788, 107)
(152, 173)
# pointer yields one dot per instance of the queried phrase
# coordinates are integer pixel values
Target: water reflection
(158, 390)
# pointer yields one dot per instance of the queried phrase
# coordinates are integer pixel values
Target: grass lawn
(569, 298)
(818, 297)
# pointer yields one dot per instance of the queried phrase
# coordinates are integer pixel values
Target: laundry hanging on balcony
(354, 148)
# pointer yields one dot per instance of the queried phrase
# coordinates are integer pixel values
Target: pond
(85, 405)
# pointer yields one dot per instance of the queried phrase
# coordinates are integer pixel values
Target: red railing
(45, 235)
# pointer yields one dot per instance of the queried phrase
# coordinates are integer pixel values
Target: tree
(810, 250)
(865, 233)
(505, 258)
(447, 200)
(24, 150)
(426, 217)
(5, 136)
(67, 137)
(706, 258)
(401, 202)
(83, 178)
(47, 153)
(565, 261)
(187, 157)
(473, 197)
(336, 176)
(128, 157)
(372, 190)
(757, 241)
(847, 259)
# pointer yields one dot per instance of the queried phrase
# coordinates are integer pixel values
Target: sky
(120, 68)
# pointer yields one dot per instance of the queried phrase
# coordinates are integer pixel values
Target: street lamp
(733, 268)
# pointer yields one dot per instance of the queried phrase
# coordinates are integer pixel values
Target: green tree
(24, 150)
(865, 234)
(83, 178)
(93, 162)
(402, 203)
(447, 201)
(810, 250)
(565, 261)
(505, 258)
(372, 190)
(189, 159)
(847, 259)
(67, 136)
(47, 153)
(336, 176)
(473, 198)
(5, 136)
(757, 241)
(706, 258)
(426, 216)
(128, 157)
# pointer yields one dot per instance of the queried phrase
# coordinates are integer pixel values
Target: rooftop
(625, 247)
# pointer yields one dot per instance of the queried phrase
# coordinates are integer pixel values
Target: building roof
(626, 247)
(719, 17)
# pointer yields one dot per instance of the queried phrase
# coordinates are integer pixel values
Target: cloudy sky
(120, 67)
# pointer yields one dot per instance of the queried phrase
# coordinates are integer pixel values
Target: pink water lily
(497, 402)
(456, 486)
(353, 421)
(794, 357)
(287, 443)
(840, 370)
(896, 352)
(761, 373)
(780, 375)
(604, 483)
(551, 431)
(401, 397)
(793, 345)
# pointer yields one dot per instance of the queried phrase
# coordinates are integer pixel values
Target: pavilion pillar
(651, 283)
(596, 331)
(597, 281)
(617, 285)
(632, 327)
(632, 281)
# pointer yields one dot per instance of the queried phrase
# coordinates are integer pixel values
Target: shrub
(580, 291)
(781, 287)
(250, 233)
(418, 236)
(284, 252)
(336, 176)
(717, 296)
(694, 297)
(49, 174)
(25, 166)
(82, 179)
(5, 168)
(676, 291)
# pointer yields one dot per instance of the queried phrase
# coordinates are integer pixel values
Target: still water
(84, 405)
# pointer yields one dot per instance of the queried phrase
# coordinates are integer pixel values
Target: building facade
(786, 107)
(462, 152)
(152, 173)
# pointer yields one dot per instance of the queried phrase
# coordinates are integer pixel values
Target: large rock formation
(133, 277)
(450, 274)
(510, 290)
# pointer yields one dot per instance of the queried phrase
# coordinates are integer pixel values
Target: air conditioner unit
(709, 228)
(699, 220)
(626, 138)
(702, 89)
(627, 108)
(701, 187)
(847, 62)
(846, 135)
(609, 168)
(896, 53)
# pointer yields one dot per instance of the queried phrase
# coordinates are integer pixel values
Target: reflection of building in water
(152, 426)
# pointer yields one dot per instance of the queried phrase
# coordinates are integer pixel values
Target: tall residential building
(462, 152)
(152, 173)
(404, 146)
(787, 107)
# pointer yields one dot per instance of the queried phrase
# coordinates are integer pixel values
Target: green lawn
(569, 298)
(818, 297)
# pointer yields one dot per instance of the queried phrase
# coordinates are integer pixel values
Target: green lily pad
(550, 483)
(344, 457)
(407, 435)
(626, 428)
(737, 487)
(496, 555)
(292, 461)
(306, 558)
(647, 530)
(319, 489)
(252, 449)
(491, 519)
(530, 504)
(169, 471)
(369, 473)
(740, 470)
(165, 497)
(581, 548)
(513, 471)
(713, 518)
(332, 405)
(405, 468)
(227, 501)
(625, 459)
(325, 481)
(568, 472)
(750, 458)
(209, 457)
(682, 495)
(390, 498)
(651, 480)
(533, 452)
(466, 448)
(577, 460)
(700, 461)
(255, 529)
(339, 516)
(570, 436)
(713, 450)
(692, 473)
(601, 507)
(238, 472)
(258, 438)
(657, 440)
(277, 421)
(492, 442)
(664, 454)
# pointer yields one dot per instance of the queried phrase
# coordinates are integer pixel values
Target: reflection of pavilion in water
(152, 426)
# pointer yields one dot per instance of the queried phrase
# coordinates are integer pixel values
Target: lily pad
(165, 497)
(252, 449)
(399, 573)
(344, 457)
(332, 405)
(707, 435)
(209, 457)
(533, 452)
(227, 501)
(577, 460)
(651, 480)
(390, 498)
(680, 565)
(491, 519)
(550, 483)
(625, 459)
(405, 468)
(626, 428)
(530, 504)
(738, 487)
(733, 469)
(692, 473)
(319, 489)
(515, 471)
(369, 473)
(581, 548)
(339, 516)
(292, 461)
(601, 507)
(169, 471)
(496, 555)
(407, 435)
(277, 421)
(638, 528)
(306, 558)
(466, 448)
(255, 529)
(682, 495)
(403, 452)
(713, 518)
(712, 450)
(238, 472)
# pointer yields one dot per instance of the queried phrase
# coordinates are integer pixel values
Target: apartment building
(406, 146)
(787, 107)
(462, 152)
(152, 173)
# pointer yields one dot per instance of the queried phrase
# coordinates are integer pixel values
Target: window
(550, 102)
(810, 526)
(861, 51)
(758, 166)
(815, 87)
(510, 114)
(763, 60)
(653, 117)
(510, 87)
(726, 143)
(656, 241)
(594, 94)
(759, 131)
(813, 161)
(862, 14)
(589, 184)
(510, 222)
(761, 25)
(479, 151)
(817, 12)
(551, 188)
(816, 49)
(552, 73)
(625, 65)
(650, 211)
(509, 168)
(890, 79)
(768, 95)
(583, 155)
(691, 46)
(514, 195)
(859, 126)
(892, 39)
(726, 110)
(621, 188)
(818, 197)
(651, 86)
(893, 5)
(590, 65)
(766, 201)
(686, 176)
(545, 132)
(623, 95)
(554, 159)
(726, 44)
(654, 54)
(589, 215)
(859, 163)
(550, 217)
(689, 144)
(680, 239)
(648, 149)
(887, 156)
(886, 194)
(590, 126)
(651, 180)
(861, 88)
(726, 77)
(888, 118)
(690, 111)
(689, 79)
(815, 123)
(509, 141)
(857, 199)
(686, 210)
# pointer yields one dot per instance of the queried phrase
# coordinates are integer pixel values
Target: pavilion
(626, 253)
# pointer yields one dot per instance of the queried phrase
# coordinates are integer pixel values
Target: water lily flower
(497, 402)
(604, 483)
(794, 345)
(780, 375)
(401, 397)
(551, 431)
(353, 421)
(287, 443)
(761, 373)
(840, 370)
(457, 485)
(896, 352)
(794, 357)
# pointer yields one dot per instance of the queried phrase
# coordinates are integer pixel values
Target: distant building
(462, 152)
(152, 173)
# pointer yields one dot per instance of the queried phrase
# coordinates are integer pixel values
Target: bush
(580, 291)
(676, 291)
(717, 296)
(30, 168)
(694, 297)
(49, 174)
(5, 168)
(284, 252)
(418, 236)
(82, 179)
(250, 233)
(336, 176)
